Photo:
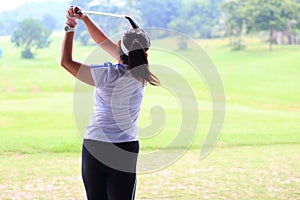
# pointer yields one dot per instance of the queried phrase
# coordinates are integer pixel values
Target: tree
(32, 9)
(198, 18)
(270, 15)
(158, 13)
(2, 26)
(31, 33)
(235, 20)
(294, 25)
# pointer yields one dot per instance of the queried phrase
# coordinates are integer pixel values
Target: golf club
(131, 21)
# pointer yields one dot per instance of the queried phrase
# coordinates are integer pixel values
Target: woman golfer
(110, 146)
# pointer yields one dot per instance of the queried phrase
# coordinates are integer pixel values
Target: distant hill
(53, 9)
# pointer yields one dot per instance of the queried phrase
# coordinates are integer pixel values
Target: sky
(7, 5)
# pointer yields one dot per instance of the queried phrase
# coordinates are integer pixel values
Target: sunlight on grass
(36, 97)
(256, 156)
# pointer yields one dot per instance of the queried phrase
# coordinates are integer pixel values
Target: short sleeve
(99, 74)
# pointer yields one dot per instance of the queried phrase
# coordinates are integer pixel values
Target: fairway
(257, 156)
(253, 172)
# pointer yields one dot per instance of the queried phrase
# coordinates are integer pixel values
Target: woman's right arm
(101, 38)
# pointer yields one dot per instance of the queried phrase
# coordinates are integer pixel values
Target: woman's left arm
(79, 70)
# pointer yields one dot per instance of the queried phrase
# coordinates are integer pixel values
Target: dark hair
(137, 42)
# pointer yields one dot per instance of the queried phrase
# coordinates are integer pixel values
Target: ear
(119, 43)
(146, 54)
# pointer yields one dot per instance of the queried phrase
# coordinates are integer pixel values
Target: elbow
(64, 62)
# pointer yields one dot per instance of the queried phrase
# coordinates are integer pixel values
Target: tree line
(278, 19)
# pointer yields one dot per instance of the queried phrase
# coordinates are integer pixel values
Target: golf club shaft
(99, 13)
(132, 22)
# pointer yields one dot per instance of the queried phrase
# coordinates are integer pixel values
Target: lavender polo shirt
(118, 98)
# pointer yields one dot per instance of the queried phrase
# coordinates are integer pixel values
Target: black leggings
(109, 170)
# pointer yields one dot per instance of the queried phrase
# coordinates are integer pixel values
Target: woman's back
(118, 98)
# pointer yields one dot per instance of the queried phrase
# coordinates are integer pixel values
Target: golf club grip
(79, 12)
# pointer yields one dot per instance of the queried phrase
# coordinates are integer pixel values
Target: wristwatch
(69, 28)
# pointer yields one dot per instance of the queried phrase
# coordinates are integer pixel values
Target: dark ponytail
(138, 64)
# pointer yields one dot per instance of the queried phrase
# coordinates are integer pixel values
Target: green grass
(257, 154)
(253, 172)
(261, 86)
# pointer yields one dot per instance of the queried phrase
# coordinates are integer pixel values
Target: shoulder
(100, 73)
(106, 65)
(115, 71)
(110, 67)
(108, 73)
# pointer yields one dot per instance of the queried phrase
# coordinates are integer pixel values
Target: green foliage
(260, 15)
(158, 13)
(238, 46)
(263, 14)
(31, 33)
(271, 15)
(36, 10)
(198, 18)
(27, 54)
(236, 18)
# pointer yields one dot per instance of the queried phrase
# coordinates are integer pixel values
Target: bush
(27, 54)
(182, 45)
